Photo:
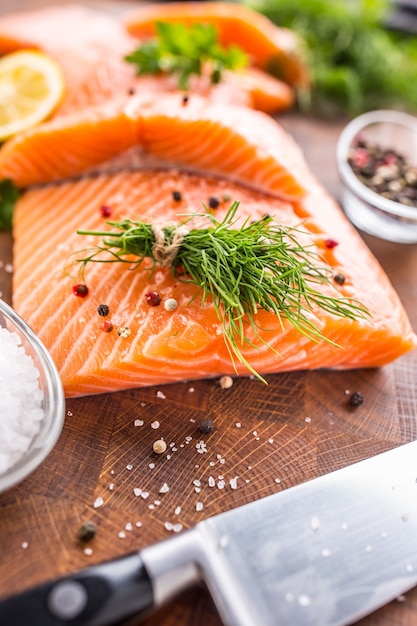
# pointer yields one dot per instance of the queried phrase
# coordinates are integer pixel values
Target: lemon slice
(31, 87)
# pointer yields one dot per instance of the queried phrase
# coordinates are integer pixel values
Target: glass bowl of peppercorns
(377, 161)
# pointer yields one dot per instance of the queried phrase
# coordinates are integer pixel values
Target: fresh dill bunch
(356, 64)
(185, 52)
(260, 265)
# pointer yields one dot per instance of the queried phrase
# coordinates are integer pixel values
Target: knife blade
(324, 553)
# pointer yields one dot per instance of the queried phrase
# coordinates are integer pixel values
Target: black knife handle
(97, 596)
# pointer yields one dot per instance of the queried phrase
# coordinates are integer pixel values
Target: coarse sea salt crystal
(21, 398)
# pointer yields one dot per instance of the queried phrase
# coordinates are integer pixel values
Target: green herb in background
(186, 51)
(356, 64)
(9, 194)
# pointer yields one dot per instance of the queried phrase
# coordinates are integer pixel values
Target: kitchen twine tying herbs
(260, 265)
(164, 251)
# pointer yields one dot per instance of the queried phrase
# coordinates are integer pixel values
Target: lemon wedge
(31, 87)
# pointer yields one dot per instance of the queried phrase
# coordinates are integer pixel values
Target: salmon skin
(150, 345)
(90, 47)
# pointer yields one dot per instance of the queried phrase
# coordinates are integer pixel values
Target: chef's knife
(326, 552)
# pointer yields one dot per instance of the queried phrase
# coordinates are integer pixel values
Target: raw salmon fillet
(244, 149)
(245, 145)
(187, 343)
(90, 46)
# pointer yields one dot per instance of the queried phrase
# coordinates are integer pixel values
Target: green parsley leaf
(9, 194)
(184, 52)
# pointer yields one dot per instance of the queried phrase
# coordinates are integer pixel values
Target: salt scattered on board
(21, 397)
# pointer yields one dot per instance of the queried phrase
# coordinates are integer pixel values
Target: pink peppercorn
(153, 298)
(105, 210)
(81, 291)
(331, 243)
(106, 326)
(361, 157)
(390, 159)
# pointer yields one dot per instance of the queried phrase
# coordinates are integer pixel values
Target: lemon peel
(31, 87)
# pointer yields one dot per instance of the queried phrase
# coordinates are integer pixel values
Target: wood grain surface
(297, 427)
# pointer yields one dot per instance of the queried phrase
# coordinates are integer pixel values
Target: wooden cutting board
(266, 439)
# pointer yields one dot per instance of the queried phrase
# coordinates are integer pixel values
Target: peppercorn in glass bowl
(377, 162)
(32, 403)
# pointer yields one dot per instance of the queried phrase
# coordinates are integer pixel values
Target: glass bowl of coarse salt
(32, 403)
(377, 162)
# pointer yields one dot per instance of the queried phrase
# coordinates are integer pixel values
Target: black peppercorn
(206, 427)
(176, 195)
(356, 399)
(339, 279)
(87, 531)
(103, 310)
(185, 99)
(213, 202)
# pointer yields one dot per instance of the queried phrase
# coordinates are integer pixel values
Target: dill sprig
(183, 51)
(260, 265)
